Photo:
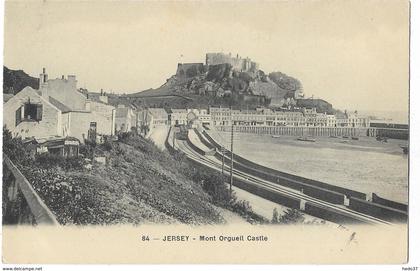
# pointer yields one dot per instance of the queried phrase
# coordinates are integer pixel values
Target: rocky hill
(15, 80)
(220, 84)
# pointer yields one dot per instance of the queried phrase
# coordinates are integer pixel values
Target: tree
(285, 82)
(275, 219)
(292, 216)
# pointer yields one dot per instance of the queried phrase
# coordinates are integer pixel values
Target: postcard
(206, 132)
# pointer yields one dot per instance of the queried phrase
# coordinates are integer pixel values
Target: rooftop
(59, 105)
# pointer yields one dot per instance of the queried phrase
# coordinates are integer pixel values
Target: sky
(354, 54)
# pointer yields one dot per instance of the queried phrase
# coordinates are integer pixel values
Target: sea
(394, 116)
(365, 165)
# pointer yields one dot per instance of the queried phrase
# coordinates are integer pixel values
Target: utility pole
(173, 136)
(231, 159)
(223, 159)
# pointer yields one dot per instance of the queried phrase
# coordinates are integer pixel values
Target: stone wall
(190, 69)
(377, 210)
(238, 63)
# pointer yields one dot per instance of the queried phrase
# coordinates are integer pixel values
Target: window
(33, 111)
(29, 112)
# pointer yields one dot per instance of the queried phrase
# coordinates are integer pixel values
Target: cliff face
(189, 70)
(15, 81)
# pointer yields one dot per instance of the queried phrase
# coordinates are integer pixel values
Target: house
(143, 121)
(178, 117)
(6, 97)
(203, 115)
(352, 119)
(28, 114)
(158, 117)
(331, 120)
(125, 118)
(57, 109)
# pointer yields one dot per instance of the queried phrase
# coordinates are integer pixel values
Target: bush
(244, 209)
(122, 136)
(14, 148)
(291, 216)
(48, 160)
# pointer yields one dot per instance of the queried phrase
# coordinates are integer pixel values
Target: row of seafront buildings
(265, 117)
(269, 117)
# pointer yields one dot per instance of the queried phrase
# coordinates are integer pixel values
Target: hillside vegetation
(138, 184)
(15, 81)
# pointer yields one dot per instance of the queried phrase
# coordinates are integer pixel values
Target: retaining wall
(329, 214)
(389, 203)
(203, 140)
(298, 130)
(194, 147)
(379, 211)
(168, 146)
(323, 194)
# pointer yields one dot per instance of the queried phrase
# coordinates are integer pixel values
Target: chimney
(71, 77)
(43, 77)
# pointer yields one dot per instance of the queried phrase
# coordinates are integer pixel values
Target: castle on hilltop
(238, 63)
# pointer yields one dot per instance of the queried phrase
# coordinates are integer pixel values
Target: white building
(178, 116)
(204, 116)
(220, 116)
(331, 121)
(353, 120)
(268, 117)
(157, 117)
(125, 118)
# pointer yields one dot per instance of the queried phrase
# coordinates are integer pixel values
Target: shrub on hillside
(212, 183)
(46, 160)
(244, 209)
(291, 216)
(14, 148)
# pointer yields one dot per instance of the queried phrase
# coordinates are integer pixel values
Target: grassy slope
(139, 184)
